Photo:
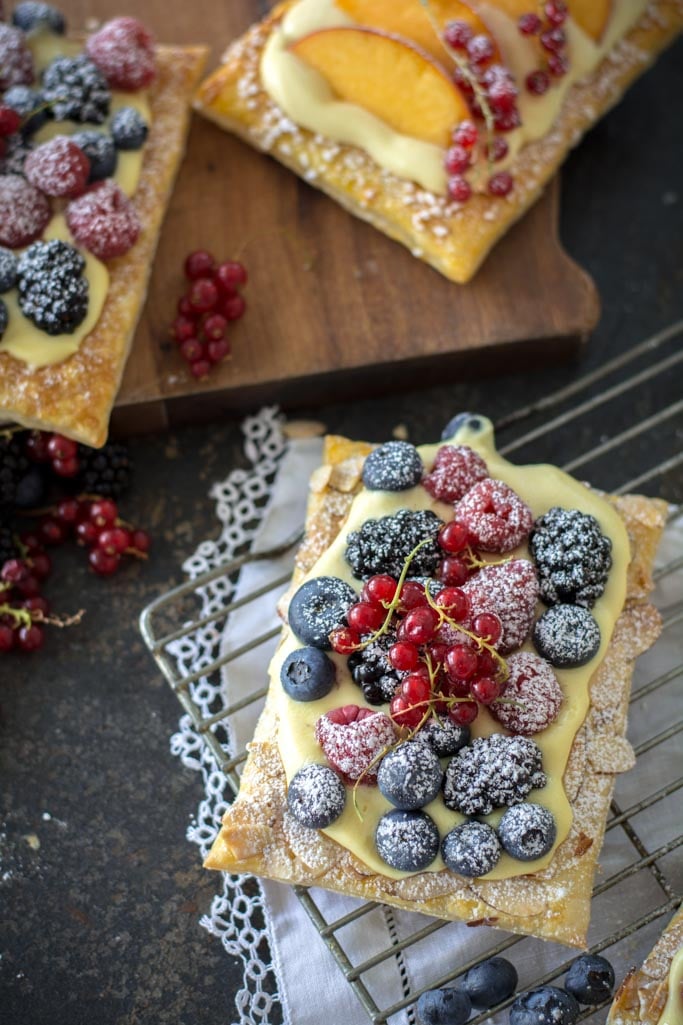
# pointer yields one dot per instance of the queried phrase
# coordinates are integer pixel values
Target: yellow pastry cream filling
(673, 1009)
(540, 487)
(22, 339)
(305, 95)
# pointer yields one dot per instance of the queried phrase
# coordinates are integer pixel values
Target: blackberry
(8, 547)
(33, 15)
(100, 150)
(76, 90)
(382, 546)
(53, 292)
(105, 471)
(13, 466)
(492, 772)
(30, 105)
(16, 151)
(371, 669)
(573, 557)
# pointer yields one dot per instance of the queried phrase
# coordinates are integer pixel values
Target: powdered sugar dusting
(495, 516)
(532, 697)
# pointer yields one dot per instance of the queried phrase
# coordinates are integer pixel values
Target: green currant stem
(22, 617)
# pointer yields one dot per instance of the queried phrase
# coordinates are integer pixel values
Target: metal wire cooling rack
(638, 395)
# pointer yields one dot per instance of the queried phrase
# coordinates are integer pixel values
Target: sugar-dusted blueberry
(128, 128)
(471, 420)
(307, 674)
(590, 979)
(447, 1006)
(471, 849)
(443, 736)
(407, 840)
(33, 15)
(8, 269)
(100, 150)
(316, 796)
(410, 775)
(489, 982)
(30, 106)
(317, 608)
(567, 636)
(527, 831)
(546, 1005)
(394, 466)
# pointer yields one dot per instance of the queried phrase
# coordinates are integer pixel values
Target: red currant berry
(218, 351)
(41, 564)
(466, 134)
(7, 638)
(529, 24)
(87, 533)
(200, 368)
(113, 540)
(233, 307)
(103, 563)
(37, 603)
(404, 656)
(438, 652)
(461, 662)
(230, 275)
(485, 690)
(502, 95)
(381, 588)
(556, 12)
(10, 121)
(68, 511)
(59, 447)
(415, 689)
(486, 664)
(463, 713)
(403, 713)
(198, 264)
(500, 183)
(537, 82)
(51, 531)
(140, 541)
(455, 688)
(453, 537)
(420, 625)
(36, 447)
(344, 641)
(103, 512)
(459, 188)
(66, 467)
(455, 603)
(184, 308)
(14, 570)
(553, 40)
(203, 295)
(457, 159)
(365, 617)
(29, 587)
(192, 349)
(480, 49)
(497, 149)
(558, 65)
(412, 595)
(214, 327)
(31, 638)
(183, 328)
(487, 626)
(31, 542)
(457, 34)
(453, 571)
(506, 121)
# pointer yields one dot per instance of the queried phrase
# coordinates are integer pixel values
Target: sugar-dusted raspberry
(509, 591)
(532, 697)
(103, 220)
(16, 61)
(496, 517)
(352, 738)
(123, 50)
(456, 469)
(58, 167)
(24, 211)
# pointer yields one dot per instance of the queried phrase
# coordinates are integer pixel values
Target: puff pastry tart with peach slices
(438, 121)
(653, 993)
(91, 135)
(447, 705)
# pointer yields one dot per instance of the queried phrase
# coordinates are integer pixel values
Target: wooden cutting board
(334, 308)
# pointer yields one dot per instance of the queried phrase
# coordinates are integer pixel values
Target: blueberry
(445, 737)
(317, 608)
(30, 105)
(8, 269)
(475, 423)
(471, 849)
(100, 150)
(128, 128)
(547, 1005)
(407, 840)
(489, 982)
(316, 796)
(527, 831)
(307, 674)
(567, 636)
(410, 775)
(30, 15)
(445, 1006)
(394, 466)
(4, 318)
(590, 979)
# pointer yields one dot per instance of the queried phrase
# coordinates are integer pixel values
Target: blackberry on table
(76, 90)
(382, 546)
(13, 466)
(53, 291)
(8, 546)
(105, 471)
(573, 557)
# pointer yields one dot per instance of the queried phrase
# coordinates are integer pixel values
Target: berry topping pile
(567, 636)
(471, 849)
(491, 773)
(53, 292)
(456, 469)
(573, 557)
(382, 546)
(353, 738)
(496, 518)
(394, 466)
(532, 695)
(316, 796)
(103, 220)
(407, 840)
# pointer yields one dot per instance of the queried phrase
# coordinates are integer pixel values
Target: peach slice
(592, 16)
(410, 19)
(388, 76)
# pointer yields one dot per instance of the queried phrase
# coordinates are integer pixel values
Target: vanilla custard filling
(22, 339)
(305, 96)
(541, 487)
(673, 1010)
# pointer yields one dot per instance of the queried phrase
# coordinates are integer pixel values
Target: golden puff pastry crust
(454, 240)
(75, 396)
(259, 835)
(642, 996)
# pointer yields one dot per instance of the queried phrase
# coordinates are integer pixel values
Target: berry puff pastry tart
(447, 705)
(438, 121)
(91, 136)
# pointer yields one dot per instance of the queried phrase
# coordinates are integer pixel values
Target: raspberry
(496, 517)
(510, 592)
(456, 469)
(123, 50)
(352, 738)
(16, 62)
(532, 697)
(24, 211)
(58, 167)
(103, 220)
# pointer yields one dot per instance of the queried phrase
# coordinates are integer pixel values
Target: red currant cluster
(60, 452)
(96, 525)
(491, 95)
(213, 299)
(23, 608)
(447, 655)
(553, 42)
(10, 123)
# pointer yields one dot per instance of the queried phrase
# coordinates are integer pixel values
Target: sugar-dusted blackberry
(76, 90)
(14, 157)
(100, 150)
(31, 15)
(492, 772)
(382, 546)
(13, 466)
(105, 471)
(8, 545)
(53, 291)
(573, 557)
(30, 105)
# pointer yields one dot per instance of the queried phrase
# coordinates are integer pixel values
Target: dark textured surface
(100, 924)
